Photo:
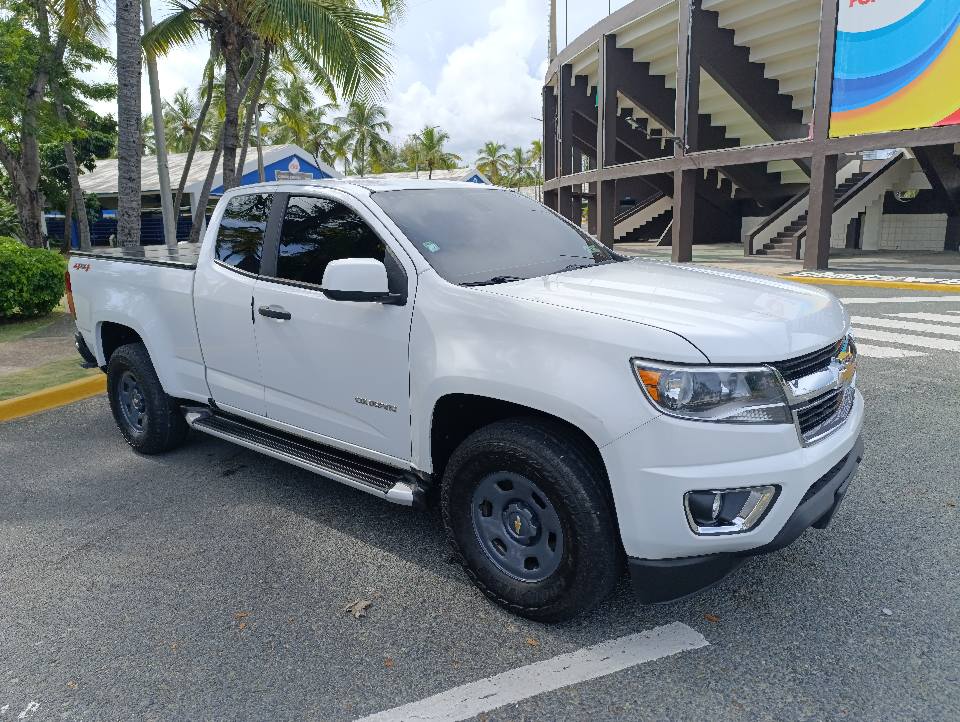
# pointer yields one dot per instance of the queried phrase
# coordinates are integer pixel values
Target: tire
(535, 481)
(148, 419)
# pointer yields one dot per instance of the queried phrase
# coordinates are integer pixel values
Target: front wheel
(528, 515)
(148, 419)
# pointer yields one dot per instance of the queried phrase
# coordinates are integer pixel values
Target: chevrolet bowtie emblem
(517, 525)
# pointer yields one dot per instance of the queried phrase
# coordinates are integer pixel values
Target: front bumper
(663, 580)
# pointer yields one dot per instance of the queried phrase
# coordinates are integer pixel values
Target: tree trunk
(234, 91)
(67, 226)
(129, 70)
(76, 194)
(198, 131)
(231, 118)
(160, 140)
(200, 216)
(252, 112)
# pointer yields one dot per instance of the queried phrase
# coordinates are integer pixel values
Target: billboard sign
(897, 66)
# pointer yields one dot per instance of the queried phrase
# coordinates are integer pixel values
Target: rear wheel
(148, 419)
(526, 510)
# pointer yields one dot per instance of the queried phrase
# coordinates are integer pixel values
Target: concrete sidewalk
(936, 266)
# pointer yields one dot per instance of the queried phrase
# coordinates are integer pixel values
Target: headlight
(714, 393)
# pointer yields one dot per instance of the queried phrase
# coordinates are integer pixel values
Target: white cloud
(486, 90)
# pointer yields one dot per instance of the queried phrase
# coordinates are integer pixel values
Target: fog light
(728, 511)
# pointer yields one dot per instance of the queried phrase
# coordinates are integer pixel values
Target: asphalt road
(210, 583)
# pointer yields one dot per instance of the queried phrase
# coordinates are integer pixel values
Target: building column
(870, 235)
(952, 240)
(549, 144)
(687, 131)
(565, 142)
(823, 184)
(607, 139)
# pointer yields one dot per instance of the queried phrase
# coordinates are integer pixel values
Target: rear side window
(240, 238)
(319, 230)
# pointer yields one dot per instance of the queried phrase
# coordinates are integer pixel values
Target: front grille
(807, 364)
(816, 413)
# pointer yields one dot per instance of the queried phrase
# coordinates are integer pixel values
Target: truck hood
(731, 317)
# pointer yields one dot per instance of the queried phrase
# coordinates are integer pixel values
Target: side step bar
(366, 475)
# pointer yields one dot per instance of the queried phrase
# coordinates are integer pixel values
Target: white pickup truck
(569, 408)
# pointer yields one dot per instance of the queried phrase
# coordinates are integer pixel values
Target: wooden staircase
(783, 244)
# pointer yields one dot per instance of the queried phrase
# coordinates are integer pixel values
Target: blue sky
(473, 67)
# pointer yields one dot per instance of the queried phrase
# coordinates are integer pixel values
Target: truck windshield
(484, 237)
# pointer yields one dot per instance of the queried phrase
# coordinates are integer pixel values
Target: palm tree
(517, 167)
(429, 144)
(181, 117)
(363, 127)
(492, 160)
(341, 46)
(535, 159)
(129, 70)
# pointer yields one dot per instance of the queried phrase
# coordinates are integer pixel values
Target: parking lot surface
(211, 583)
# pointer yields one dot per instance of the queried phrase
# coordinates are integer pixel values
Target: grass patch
(43, 377)
(15, 330)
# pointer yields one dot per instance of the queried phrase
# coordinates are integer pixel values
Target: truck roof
(371, 185)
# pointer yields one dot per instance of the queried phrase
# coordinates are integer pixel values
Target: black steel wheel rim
(518, 528)
(132, 402)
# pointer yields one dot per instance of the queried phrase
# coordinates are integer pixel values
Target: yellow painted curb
(53, 397)
(874, 284)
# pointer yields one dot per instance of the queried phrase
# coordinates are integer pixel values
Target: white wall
(913, 232)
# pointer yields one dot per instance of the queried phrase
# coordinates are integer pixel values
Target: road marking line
(886, 352)
(28, 710)
(817, 281)
(903, 299)
(907, 340)
(469, 700)
(907, 325)
(937, 317)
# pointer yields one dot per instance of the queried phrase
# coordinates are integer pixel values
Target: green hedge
(31, 280)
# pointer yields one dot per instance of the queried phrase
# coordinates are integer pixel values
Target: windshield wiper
(494, 281)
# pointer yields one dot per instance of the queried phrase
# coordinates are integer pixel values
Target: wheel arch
(457, 415)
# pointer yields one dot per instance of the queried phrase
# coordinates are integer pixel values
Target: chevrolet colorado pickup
(569, 409)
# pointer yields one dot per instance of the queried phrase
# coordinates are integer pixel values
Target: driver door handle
(277, 312)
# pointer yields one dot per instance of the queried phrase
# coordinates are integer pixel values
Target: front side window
(240, 237)
(484, 237)
(319, 230)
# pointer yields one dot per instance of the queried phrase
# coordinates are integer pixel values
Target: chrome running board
(373, 477)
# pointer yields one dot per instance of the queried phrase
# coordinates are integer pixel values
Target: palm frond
(351, 44)
(180, 28)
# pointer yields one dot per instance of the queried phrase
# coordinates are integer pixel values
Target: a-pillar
(823, 184)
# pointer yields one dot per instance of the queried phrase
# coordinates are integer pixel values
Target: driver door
(335, 369)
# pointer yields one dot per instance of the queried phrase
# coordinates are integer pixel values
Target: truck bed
(183, 256)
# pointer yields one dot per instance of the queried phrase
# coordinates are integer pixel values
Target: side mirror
(357, 279)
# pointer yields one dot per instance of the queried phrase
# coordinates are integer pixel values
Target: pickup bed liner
(183, 256)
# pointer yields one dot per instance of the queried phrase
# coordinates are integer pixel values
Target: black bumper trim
(665, 580)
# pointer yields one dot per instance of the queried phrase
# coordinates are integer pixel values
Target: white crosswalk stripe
(937, 317)
(871, 351)
(907, 325)
(941, 344)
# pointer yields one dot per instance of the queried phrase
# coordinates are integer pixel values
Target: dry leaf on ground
(358, 608)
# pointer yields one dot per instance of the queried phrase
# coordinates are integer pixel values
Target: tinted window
(240, 238)
(319, 230)
(489, 236)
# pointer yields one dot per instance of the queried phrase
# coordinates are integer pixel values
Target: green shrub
(31, 280)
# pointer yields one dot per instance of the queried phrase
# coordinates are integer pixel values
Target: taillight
(70, 306)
